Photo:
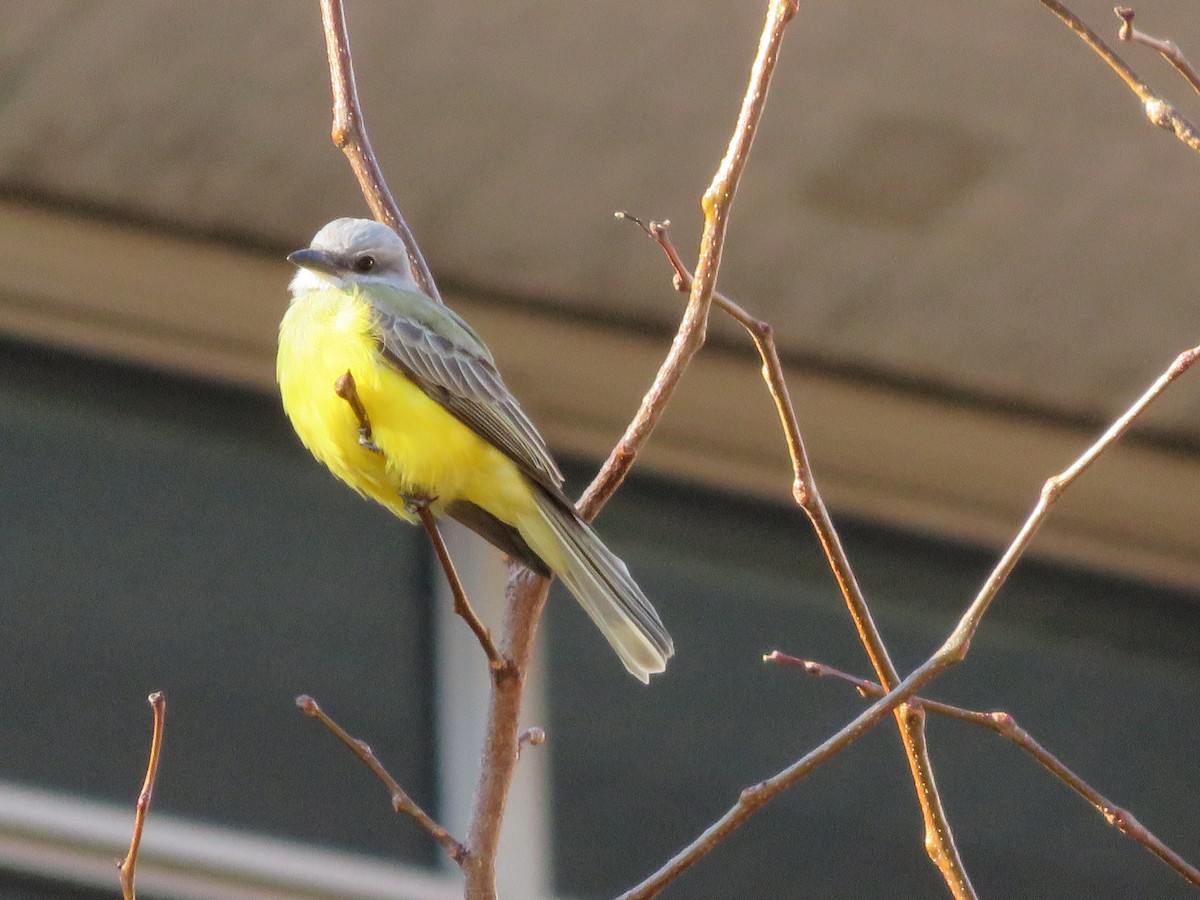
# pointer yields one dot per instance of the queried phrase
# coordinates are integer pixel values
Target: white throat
(306, 280)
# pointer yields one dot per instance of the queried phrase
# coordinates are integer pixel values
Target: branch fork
(1003, 724)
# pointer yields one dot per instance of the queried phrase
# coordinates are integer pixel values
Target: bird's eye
(364, 263)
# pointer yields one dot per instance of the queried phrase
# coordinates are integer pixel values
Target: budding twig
(532, 737)
(527, 594)
(1157, 110)
(401, 801)
(128, 865)
(1169, 50)
(716, 204)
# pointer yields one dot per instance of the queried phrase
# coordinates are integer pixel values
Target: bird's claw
(414, 503)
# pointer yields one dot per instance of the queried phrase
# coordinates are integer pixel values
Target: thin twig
(1004, 725)
(128, 865)
(401, 802)
(1157, 110)
(349, 135)
(1169, 50)
(501, 667)
(939, 838)
(716, 204)
(952, 651)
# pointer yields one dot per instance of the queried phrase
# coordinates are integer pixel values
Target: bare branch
(939, 838)
(349, 135)
(716, 203)
(1004, 725)
(501, 667)
(1169, 50)
(128, 866)
(952, 651)
(401, 802)
(1157, 110)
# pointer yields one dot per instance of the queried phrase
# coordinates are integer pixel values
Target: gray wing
(444, 357)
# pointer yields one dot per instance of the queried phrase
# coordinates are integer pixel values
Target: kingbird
(444, 429)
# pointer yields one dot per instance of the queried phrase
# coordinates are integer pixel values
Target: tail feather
(604, 588)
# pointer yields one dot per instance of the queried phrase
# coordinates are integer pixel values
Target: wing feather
(446, 359)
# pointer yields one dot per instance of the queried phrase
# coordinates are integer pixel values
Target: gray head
(352, 251)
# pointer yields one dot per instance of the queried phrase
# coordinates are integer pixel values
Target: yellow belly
(425, 450)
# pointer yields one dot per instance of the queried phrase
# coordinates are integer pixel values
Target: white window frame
(67, 838)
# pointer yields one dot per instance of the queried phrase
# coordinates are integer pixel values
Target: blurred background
(974, 251)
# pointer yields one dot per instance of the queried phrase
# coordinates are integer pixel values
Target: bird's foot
(414, 503)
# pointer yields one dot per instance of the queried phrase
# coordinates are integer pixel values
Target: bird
(428, 420)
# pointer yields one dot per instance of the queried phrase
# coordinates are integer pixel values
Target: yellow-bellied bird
(443, 425)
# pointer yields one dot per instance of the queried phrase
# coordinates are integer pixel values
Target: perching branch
(1157, 110)
(953, 651)
(346, 388)
(501, 667)
(401, 801)
(1169, 50)
(939, 838)
(1004, 725)
(349, 135)
(526, 592)
(128, 865)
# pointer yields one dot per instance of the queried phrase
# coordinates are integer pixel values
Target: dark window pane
(165, 536)
(27, 887)
(1098, 669)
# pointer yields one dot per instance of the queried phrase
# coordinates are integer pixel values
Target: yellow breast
(425, 450)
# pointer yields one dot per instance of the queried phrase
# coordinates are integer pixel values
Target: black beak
(317, 261)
